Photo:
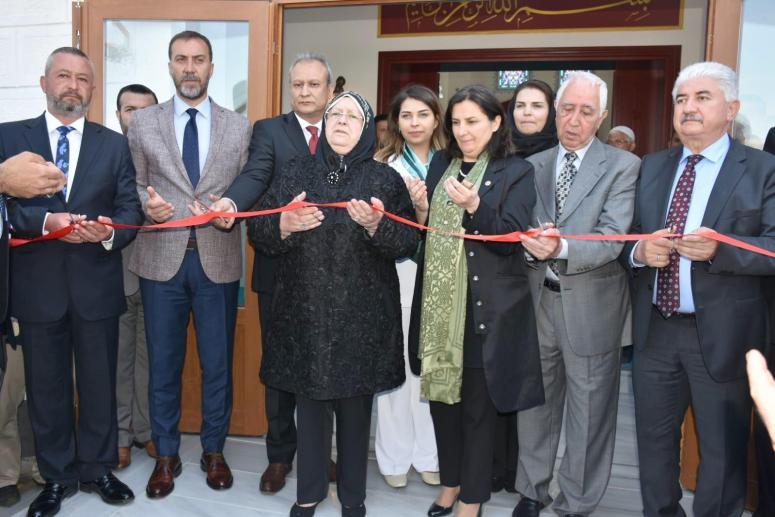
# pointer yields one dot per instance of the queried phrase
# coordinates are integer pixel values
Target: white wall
(347, 36)
(29, 31)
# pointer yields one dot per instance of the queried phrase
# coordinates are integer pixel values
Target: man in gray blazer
(582, 304)
(186, 150)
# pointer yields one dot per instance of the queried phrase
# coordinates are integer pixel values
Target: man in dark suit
(699, 305)
(67, 293)
(274, 142)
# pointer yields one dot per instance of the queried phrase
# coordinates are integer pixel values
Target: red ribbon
(197, 220)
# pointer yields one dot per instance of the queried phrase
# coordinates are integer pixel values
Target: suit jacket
(274, 142)
(158, 254)
(594, 289)
(769, 142)
(728, 292)
(4, 268)
(503, 311)
(49, 277)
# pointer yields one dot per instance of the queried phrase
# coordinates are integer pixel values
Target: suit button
(478, 303)
(476, 232)
(482, 326)
(487, 183)
(475, 278)
(470, 253)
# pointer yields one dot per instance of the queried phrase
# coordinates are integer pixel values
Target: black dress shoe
(9, 495)
(497, 484)
(527, 508)
(50, 499)
(303, 511)
(354, 511)
(436, 510)
(110, 489)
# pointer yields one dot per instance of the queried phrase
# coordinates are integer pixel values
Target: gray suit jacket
(158, 254)
(594, 286)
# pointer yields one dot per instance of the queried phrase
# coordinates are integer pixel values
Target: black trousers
(464, 438)
(280, 405)
(505, 447)
(667, 375)
(68, 451)
(315, 421)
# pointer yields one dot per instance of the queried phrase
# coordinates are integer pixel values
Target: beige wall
(348, 38)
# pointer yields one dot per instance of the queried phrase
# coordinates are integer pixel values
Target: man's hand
(222, 205)
(462, 194)
(655, 253)
(697, 247)
(362, 213)
(95, 231)
(28, 175)
(545, 245)
(301, 219)
(156, 208)
(762, 388)
(59, 220)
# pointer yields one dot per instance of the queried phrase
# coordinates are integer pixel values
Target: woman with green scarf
(472, 336)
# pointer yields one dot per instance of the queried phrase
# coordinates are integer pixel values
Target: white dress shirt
(203, 123)
(304, 124)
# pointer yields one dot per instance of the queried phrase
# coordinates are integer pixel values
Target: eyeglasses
(350, 118)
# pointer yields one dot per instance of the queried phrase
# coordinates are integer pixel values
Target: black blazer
(48, 277)
(497, 278)
(274, 142)
(728, 291)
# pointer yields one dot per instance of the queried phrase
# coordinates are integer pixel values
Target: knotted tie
(191, 148)
(63, 153)
(313, 140)
(567, 175)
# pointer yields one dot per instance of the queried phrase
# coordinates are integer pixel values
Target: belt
(551, 285)
(191, 244)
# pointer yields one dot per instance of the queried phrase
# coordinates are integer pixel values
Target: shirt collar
(52, 123)
(204, 108)
(304, 124)
(715, 152)
(579, 152)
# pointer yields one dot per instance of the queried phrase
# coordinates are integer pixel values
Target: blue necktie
(191, 148)
(63, 153)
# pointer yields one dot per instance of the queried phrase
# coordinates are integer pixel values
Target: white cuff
(108, 244)
(633, 262)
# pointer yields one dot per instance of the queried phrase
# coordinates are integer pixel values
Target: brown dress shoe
(150, 449)
(162, 480)
(124, 457)
(273, 478)
(331, 471)
(218, 471)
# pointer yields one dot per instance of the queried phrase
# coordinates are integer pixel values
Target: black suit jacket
(728, 292)
(497, 278)
(769, 142)
(274, 142)
(48, 277)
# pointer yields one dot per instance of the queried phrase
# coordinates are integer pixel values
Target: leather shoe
(162, 481)
(218, 471)
(273, 478)
(124, 457)
(50, 499)
(354, 511)
(110, 489)
(331, 471)
(301, 511)
(436, 510)
(9, 495)
(527, 508)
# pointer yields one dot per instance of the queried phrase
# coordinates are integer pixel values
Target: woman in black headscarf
(334, 336)
(531, 116)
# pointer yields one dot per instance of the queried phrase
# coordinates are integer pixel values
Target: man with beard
(186, 150)
(66, 293)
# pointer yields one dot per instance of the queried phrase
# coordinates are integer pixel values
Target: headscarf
(363, 150)
(528, 145)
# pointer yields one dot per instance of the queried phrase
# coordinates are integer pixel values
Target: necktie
(63, 153)
(567, 175)
(668, 287)
(191, 148)
(313, 140)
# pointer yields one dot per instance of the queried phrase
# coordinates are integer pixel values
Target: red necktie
(313, 140)
(668, 286)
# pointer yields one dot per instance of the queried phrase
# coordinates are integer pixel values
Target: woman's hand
(301, 219)
(462, 194)
(362, 213)
(418, 191)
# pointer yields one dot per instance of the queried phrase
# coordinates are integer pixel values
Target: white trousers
(405, 436)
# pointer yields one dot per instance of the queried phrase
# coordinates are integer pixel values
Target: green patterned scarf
(445, 282)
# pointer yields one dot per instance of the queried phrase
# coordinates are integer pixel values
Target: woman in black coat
(334, 336)
(480, 190)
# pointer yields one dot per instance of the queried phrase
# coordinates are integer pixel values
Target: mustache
(190, 77)
(70, 93)
(691, 118)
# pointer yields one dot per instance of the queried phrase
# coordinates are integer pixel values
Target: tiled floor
(247, 457)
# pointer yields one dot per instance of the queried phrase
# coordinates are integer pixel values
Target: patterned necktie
(668, 286)
(63, 153)
(567, 175)
(191, 148)
(313, 140)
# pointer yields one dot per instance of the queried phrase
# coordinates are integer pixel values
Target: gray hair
(624, 130)
(725, 77)
(313, 56)
(587, 77)
(72, 51)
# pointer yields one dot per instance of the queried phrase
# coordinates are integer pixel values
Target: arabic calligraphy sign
(417, 18)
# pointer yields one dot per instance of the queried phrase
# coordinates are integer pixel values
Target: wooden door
(251, 20)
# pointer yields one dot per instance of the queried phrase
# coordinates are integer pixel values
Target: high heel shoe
(303, 511)
(436, 510)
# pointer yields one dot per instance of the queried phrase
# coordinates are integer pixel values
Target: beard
(190, 92)
(61, 105)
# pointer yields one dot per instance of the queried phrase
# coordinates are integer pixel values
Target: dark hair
(187, 35)
(134, 88)
(380, 117)
(536, 84)
(500, 144)
(545, 137)
(394, 142)
(67, 50)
